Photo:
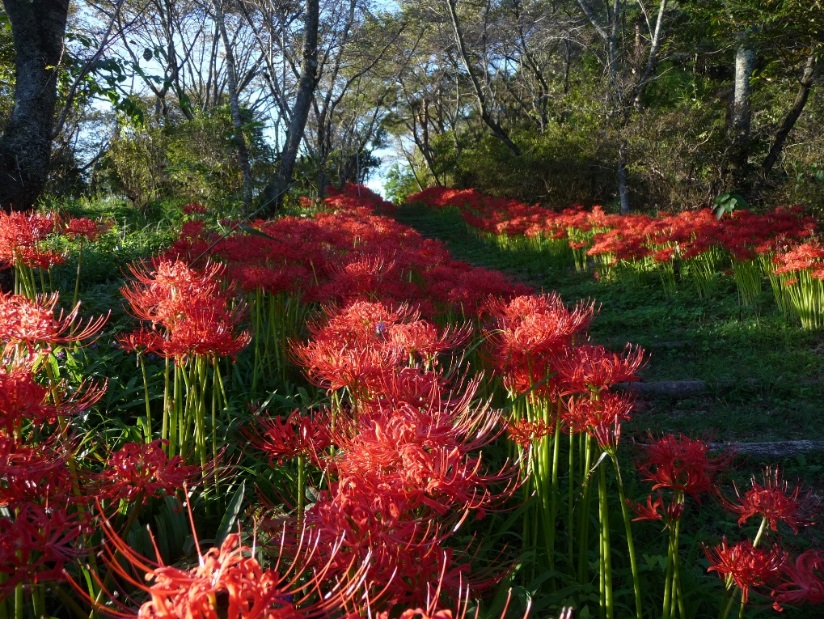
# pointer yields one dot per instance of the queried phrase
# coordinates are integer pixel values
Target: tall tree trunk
(38, 28)
(273, 193)
(740, 120)
(623, 179)
(234, 106)
(804, 87)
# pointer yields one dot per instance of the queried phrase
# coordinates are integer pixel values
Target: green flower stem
(606, 559)
(633, 562)
(77, 276)
(761, 530)
(570, 503)
(730, 603)
(19, 601)
(301, 490)
(146, 397)
(583, 516)
(167, 410)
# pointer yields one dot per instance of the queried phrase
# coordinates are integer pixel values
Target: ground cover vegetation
(326, 414)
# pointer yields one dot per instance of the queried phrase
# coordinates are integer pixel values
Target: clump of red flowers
(191, 311)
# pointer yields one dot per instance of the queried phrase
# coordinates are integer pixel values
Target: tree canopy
(649, 104)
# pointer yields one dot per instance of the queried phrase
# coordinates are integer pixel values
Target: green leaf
(230, 517)
(147, 54)
(256, 232)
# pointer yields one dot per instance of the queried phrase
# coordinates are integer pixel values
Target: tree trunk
(623, 180)
(804, 87)
(740, 121)
(274, 191)
(234, 106)
(496, 129)
(38, 28)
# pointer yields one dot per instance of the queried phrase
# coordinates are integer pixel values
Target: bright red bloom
(594, 368)
(83, 227)
(35, 544)
(287, 437)
(144, 471)
(803, 581)
(34, 474)
(529, 333)
(20, 236)
(745, 565)
(227, 582)
(194, 309)
(656, 509)
(774, 500)
(193, 208)
(22, 399)
(23, 321)
(680, 464)
(524, 432)
(363, 344)
(599, 417)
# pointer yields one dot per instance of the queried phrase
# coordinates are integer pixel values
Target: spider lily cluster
(692, 247)
(465, 439)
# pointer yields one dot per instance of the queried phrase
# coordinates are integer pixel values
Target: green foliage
(562, 166)
(727, 202)
(191, 160)
(400, 182)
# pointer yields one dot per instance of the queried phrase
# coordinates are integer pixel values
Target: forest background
(640, 105)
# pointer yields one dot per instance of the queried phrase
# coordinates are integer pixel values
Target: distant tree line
(642, 104)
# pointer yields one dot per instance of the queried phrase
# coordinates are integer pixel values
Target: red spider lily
(35, 544)
(227, 582)
(142, 341)
(193, 307)
(193, 208)
(36, 474)
(427, 456)
(420, 339)
(599, 417)
(23, 321)
(20, 233)
(530, 333)
(805, 256)
(23, 399)
(406, 476)
(140, 470)
(803, 581)
(656, 509)
(774, 501)
(401, 551)
(206, 332)
(524, 432)
(680, 464)
(83, 227)
(413, 386)
(360, 345)
(593, 368)
(287, 437)
(745, 565)
(163, 295)
(333, 366)
(38, 258)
